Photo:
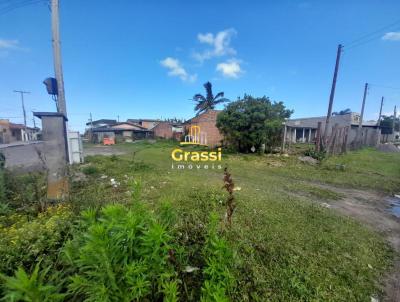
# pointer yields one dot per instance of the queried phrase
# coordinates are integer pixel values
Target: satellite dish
(51, 86)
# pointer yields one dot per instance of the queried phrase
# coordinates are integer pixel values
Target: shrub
(252, 122)
(319, 155)
(121, 255)
(25, 240)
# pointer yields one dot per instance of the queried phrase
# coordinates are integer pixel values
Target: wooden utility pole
(394, 120)
(23, 109)
(358, 139)
(55, 28)
(379, 122)
(332, 95)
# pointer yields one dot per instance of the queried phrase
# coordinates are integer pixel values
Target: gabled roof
(102, 121)
(138, 120)
(201, 114)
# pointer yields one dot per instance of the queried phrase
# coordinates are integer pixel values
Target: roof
(123, 126)
(201, 114)
(102, 121)
(138, 120)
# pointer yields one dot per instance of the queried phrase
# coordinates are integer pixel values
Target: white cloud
(176, 69)
(8, 44)
(230, 68)
(392, 36)
(220, 43)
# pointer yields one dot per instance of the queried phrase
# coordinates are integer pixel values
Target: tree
(387, 124)
(342, 112)
(209, 101)
(252, 122)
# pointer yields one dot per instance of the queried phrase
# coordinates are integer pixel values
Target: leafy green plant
(319, 155)
(90, 170)
(31, 288)
(218, 277)
(121, 255)
(24, 240)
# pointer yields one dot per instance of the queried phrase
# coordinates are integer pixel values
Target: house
(101, 123)
(120, 131)
(168, 130)
(304, 130)
(10, 132)
(207, 121)
(146, 123)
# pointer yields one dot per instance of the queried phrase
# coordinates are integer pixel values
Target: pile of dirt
(388, 148)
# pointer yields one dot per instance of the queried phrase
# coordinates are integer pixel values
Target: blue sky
(146, 59)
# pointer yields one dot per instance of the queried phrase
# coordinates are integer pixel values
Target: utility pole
(62, 107)
(379, 122)
(394, 120)
(332, 95)
(380, 112)
(91, 120)
(23, 109)
(358, 140)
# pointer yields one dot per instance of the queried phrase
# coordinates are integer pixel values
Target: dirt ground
(102, 150)
(373, 209)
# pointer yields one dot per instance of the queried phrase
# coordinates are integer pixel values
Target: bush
(318, 155)
(25, 240)
(252, 122)
(121, 255)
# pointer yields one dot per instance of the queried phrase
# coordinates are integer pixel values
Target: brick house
(207, 122)
(168, 130)
(146, 123)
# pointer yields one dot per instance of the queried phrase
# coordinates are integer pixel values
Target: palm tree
(204, 103)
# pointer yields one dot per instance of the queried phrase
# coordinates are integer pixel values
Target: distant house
(208, 126)
(168, 130)
(146, 123)
(10, 132)
(124, 131)
(101, 123)
(304, 130)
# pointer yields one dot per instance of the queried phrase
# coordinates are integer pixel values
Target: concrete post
(54, 135)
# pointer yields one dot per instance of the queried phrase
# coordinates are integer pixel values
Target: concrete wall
(24, 157)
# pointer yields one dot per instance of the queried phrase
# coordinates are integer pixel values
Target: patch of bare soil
(373, 209)
(102, 150)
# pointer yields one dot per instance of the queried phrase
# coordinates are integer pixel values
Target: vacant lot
(299, 232)
(290, 240)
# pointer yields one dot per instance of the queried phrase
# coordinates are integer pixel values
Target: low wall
(23, 157)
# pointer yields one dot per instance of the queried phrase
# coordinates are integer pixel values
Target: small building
(124, 131)
(168, 130)
(304, 130)
(11, 132)
(145, 123)
(101, 123)
(207, 121)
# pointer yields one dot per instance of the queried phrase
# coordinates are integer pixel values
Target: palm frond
(208, 88)
(219, 95)
(199, 97)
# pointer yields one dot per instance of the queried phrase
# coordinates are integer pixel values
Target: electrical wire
(367, 38)
(378, 31)
(384, 86)
(14, 6)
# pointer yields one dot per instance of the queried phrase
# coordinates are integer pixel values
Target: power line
(384, 86)
(21, 4)
(364, 39)
(373, 33)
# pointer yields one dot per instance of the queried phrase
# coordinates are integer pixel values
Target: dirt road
(374, 210)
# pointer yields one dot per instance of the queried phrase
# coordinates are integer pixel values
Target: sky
(146, 59)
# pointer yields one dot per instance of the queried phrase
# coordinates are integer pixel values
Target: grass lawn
(287, 247)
